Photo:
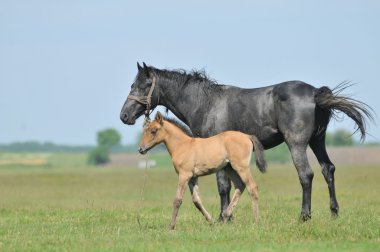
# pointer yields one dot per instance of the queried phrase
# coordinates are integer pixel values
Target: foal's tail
(332, 101)
(259, 152)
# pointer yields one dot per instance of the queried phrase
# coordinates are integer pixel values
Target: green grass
(69, 206)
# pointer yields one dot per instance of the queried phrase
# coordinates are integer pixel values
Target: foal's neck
(174, 138)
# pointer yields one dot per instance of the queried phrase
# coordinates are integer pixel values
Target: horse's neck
(175, 137)
(172, 96)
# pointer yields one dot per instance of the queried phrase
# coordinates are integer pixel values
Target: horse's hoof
(334, 213)
(305, 217)
(223, 218)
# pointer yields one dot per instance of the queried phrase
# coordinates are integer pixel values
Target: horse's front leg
(224, 188)
(182, 181)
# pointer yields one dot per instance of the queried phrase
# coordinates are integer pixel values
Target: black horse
(293, 111)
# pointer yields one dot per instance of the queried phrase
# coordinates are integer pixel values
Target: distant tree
(343, 138)
(99, 156)
(340, 137)
(108, 138)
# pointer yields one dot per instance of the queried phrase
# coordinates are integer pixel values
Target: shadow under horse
(293, 112)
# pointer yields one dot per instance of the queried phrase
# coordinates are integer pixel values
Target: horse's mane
(180, 125)
(185, 78)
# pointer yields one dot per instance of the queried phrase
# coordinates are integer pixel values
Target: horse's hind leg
(319, 148)
(193, 185)
(305, 174)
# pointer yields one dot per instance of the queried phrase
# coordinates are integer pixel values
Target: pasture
(61, 204)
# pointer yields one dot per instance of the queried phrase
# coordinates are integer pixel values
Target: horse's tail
(259, 152)
(332, 101)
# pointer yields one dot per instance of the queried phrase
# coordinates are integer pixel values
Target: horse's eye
(153, 131)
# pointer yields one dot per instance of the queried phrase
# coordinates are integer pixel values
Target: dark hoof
(305, 217)
(222, 220)
(334, 213)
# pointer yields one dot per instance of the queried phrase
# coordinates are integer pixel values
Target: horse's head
(136, 103)
(152, 135)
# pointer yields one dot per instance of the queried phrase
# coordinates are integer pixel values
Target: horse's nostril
(124, 117)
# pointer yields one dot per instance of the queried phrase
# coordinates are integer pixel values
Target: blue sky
(66, 66)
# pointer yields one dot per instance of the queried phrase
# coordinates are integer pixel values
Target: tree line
(109, 140)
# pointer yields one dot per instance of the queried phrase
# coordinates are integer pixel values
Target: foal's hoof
(171, 227)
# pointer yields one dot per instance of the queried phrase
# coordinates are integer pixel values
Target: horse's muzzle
(127, 119)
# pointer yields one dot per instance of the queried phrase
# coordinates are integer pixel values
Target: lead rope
(141, 201)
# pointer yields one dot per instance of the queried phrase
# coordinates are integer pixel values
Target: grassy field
(61, 204)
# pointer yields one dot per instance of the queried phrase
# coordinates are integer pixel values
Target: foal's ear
(146, 69)
(146, 123)
(138, 66)
(159, 118)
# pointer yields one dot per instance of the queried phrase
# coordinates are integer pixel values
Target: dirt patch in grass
(350, 155)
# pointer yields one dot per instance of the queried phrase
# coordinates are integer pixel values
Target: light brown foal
(194, 157)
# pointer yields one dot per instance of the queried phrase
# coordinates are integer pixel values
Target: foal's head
(152, 135)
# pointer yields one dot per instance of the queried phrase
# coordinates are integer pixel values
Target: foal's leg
(182, 181)
(193, 185)
(246, 177)
(319, 148)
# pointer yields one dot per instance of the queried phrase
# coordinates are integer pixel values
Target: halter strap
(145, 100)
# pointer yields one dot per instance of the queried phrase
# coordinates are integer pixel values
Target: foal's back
(226, 142)
(213, 153)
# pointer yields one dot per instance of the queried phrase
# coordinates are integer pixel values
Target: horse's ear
(159, 118)
(146, 69)
(138, 66)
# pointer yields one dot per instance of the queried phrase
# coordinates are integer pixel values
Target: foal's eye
(153, 131)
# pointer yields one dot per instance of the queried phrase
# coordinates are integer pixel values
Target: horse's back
(295, 91)
(256, 111)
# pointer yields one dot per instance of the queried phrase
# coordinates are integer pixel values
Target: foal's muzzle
(142, 150)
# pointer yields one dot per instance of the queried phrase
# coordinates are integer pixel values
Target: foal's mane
(185, 78)
(183, 127)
